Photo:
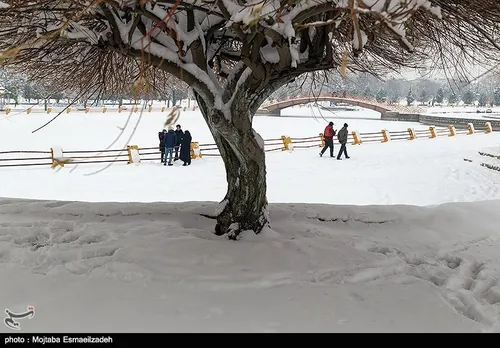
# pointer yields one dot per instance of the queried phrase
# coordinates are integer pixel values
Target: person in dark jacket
(342, 137)
(161, 137)
(179, 134)
(186, 148)
(328, 135)
(169, 145)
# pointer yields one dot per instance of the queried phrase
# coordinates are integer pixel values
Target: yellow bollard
(7, 111)
(286, 143)
(489, 129)
(193, 154)
(356, 137)
(49, 110)
(104, 110)
(58, 159)
(68, 110)
(29, 111)
(163, 109)
(55, 162)
(195, 150)
(411, 132)
(322, 138)
(150, 109)
(87, 110)
(433, 132)
(385, 135)
(470, 127)
(136, 109)
(452, 130)
(131, 158)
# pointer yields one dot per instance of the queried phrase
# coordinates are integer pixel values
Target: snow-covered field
(410, 243)
(464, 109)
(470, 112)
(360, 113)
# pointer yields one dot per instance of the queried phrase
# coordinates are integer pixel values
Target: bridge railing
(134, 154)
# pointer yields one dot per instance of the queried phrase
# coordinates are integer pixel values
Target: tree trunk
(245, 205)
(173, 98)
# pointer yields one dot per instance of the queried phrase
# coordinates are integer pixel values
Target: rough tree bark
(245, 205)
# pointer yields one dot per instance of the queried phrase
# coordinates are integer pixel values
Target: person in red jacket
(328, 134)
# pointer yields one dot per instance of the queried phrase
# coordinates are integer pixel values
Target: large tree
(234, 54)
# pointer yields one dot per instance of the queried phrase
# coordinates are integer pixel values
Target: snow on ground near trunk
(158, 267)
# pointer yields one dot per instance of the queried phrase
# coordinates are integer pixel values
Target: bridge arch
(275, 107)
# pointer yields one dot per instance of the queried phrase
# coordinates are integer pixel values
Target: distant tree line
(484, 92)
(18, 86)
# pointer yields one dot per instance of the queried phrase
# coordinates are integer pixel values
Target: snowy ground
(470, 112)
(392, 255)
(361, 180)
(97, 130)
(464, 109)
(146, 268)
(468, 115)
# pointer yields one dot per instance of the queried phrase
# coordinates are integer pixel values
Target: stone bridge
(274, 107)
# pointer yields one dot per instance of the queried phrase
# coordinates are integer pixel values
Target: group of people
(342, 138)
(177, 141)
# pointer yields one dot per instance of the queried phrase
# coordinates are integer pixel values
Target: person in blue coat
(170, 139)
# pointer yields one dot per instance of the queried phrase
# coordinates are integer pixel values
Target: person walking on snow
(185, 154)
(161, 137)
(169, 145)
(179, 134)
(342, 137)
(328, 135)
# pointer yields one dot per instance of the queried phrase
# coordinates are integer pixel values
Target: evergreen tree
(381, 95)
(496, 96)
(424, 96)
(440, 96)
(410, 98)
(468, 98)
(483, 99)
(453, 98)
